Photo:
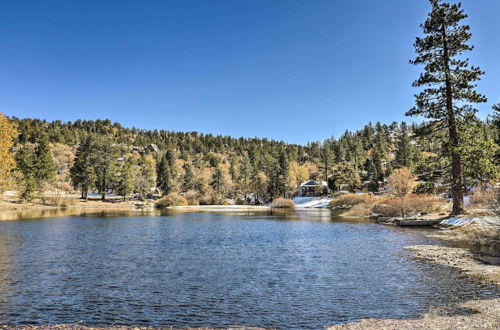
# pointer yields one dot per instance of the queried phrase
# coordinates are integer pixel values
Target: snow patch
(312, 202)
(460, 222)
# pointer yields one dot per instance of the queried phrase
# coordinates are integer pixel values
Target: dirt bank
(480, 314)
(471, 263)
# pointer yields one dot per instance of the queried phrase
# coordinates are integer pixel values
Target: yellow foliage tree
(402, 180)
(296, 175)
(8, 132)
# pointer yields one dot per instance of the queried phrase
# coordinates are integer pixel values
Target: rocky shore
(478, 314)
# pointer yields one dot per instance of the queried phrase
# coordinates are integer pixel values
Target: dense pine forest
(102, 156)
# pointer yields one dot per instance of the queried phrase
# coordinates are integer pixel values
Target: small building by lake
(313, 188)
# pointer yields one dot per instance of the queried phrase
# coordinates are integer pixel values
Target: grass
(410, 205)
(282, 203)
(486, 235)
(347, 201)
(364, 205)
(360, 210)
(171, 199)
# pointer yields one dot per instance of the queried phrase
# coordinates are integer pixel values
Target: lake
(289, 270)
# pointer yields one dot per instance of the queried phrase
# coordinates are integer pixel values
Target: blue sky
(290, 70)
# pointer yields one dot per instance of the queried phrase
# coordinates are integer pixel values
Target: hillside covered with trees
(102, 156)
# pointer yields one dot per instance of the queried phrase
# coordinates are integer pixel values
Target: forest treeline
(102, 156)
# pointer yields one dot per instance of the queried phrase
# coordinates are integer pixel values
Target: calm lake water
(307, 269)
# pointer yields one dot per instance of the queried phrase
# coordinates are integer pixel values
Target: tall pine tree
(82, 173)
(164, 180)
(448, 81)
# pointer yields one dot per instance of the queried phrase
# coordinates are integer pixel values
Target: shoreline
(473, 314)
(13, 210)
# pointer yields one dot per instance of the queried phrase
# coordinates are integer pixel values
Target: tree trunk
(456, 163)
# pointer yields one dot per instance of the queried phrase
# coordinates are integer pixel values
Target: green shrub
(425, 188)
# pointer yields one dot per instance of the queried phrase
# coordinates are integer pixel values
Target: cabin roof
(313, 183)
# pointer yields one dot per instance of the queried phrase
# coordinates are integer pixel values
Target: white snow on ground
(311, 202)
(490, 222)
(456, 222)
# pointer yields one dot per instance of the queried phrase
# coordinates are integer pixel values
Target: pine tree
(82, 173)
(26, 164)
(170, 156)
(218, 182)
(327, 157)
(164, 180)
(189, 178)
(8, 132)
(245, 181)
(478, 152)
(145, 177)
(36, 166)
(125, 185)
(448, 79)
(45, 168)
(347, 173)
(405, 151)
(284, 167)
(105, 166)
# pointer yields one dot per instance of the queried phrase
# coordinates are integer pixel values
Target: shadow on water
(285, 269)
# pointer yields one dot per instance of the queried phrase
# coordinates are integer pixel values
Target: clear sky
(290, 70)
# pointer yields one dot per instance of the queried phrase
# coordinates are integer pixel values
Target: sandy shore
(470, 263)
(479, 314)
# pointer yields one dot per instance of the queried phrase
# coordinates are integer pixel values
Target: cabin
(313, 188)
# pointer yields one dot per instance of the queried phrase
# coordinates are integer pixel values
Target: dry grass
(364, 205)
(413, 204)
(282, 203)
(171, 199)
(485, 234)
(192, 197)
(58, 198)
(488, 200)
(349, 200)
(360, 210)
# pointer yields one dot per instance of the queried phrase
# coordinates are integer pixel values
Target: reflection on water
(60, 212)
(208, 269)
